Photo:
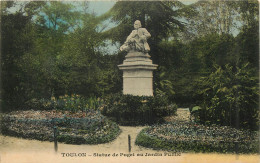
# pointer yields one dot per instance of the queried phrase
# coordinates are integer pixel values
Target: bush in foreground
(198, 138)
(74, 128)
(137, 110)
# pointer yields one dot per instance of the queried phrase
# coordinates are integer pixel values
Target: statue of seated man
(137, 40)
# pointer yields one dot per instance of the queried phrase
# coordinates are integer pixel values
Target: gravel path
(17, 150)
(183, 114)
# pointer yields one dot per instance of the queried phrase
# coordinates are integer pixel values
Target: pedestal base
(137, 74)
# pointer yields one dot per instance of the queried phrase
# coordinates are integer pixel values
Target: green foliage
(58, 16)
(247, 45)
(230, 97)
(195, 112)
(147, 141)
(164, 84)
(5, 5)
(249, 12)
(83, 68)
(39, 104)
(40, 60)
(73, 103)
(190, 137)
(137, 110)
(184, 64)
(212, 49)
(213, 17)
(76, 103)
(14, 44)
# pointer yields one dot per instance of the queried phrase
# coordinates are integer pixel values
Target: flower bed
(74, 128)
(187, 136)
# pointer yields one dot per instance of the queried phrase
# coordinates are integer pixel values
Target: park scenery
(168, 78)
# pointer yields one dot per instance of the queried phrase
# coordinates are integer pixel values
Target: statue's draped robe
(137, 40)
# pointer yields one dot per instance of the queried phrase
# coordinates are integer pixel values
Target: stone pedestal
(137, 74)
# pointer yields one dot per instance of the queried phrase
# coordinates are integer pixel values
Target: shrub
(230, 97)
(137, 110)
(183, 137)
(71, 103)
(39, 104)
(74, 128)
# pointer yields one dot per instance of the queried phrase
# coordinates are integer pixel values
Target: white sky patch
(100, 7)
(16, 7)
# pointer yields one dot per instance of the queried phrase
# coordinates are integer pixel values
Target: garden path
(183, 114)
(17, 150)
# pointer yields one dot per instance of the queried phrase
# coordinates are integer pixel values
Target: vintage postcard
(129, 81)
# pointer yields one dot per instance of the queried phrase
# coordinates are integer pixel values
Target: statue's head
(137, 24)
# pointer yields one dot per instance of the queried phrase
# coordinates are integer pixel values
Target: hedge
(137, 110)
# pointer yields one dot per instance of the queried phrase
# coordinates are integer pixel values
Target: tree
(217, 16)
(159, 18)
(30, 49)
(32, 8)
(59, 16)
(13, 46)
(83, 68)
(5, 5)
(248, 38)
(249, 12)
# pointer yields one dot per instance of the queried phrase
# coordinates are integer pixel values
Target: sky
(100, 7)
